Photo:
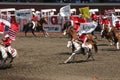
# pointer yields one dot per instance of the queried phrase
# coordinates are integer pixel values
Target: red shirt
(94, 16)
(75, 20)
(76, 27)
(82, 37)
(14, 26)
(81, 20)
(34, 18)
(117, 24)
(6, 42)
(106, 21)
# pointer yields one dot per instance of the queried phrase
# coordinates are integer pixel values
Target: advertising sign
(52, 28)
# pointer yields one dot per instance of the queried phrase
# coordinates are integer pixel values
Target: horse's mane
(41, 21)
(73, 33)
(66, 25)
(115, 29)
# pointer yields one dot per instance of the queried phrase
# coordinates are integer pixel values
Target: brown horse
(116, 35)
(112, 34)
(76, 44)
(107, 34)
(69, 30)
(39, 27)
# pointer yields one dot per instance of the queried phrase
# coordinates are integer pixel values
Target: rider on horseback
(6, 42)
(105, 22)
(117, 24)
(94, 16)
(33, 20)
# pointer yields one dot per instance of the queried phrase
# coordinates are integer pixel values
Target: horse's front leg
(11, 60)
(73, 54)
(25, 33)
(90, 55)
(26, 30)
(45, 33)
(117, 45)
(3, 61)
(33, 32)
(110, 41)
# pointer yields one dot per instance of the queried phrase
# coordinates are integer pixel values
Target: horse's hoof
(46, 36)
(65, 62)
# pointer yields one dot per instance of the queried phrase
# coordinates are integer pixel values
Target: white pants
(3, 51)
(11, 50)
(84, 43)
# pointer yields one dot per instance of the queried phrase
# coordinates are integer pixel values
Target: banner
(23, 16)
(87, 27)
(23, 13)
(85, 12)
(65, 11)
(52, 28)
(114, 19)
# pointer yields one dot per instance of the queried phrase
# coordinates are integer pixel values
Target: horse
(109, 34)
(4, 58)
(112, 34)
(38, 27)
(116, 36)
(68, 29)
(75, 43)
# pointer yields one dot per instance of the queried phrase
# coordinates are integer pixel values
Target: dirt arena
(41, 58)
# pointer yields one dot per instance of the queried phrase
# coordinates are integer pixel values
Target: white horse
(87, 50)
(4, 55)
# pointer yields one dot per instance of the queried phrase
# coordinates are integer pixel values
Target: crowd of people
(64, 1)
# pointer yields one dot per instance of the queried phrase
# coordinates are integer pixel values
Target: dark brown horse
(107, 34)
(76, 44)
(39, 27)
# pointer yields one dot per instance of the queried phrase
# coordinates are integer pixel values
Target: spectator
(66, 1)
(85, 1)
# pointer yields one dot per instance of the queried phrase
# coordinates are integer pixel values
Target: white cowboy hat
(104, 17)
(83, 32)
(37, 12)
(6, 36)
(93, 12)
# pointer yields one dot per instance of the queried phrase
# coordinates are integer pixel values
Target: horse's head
(69, 30)
(66, 25)
(42, 21)
(105, 30)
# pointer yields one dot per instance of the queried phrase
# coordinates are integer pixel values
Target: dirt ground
(41, 58)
